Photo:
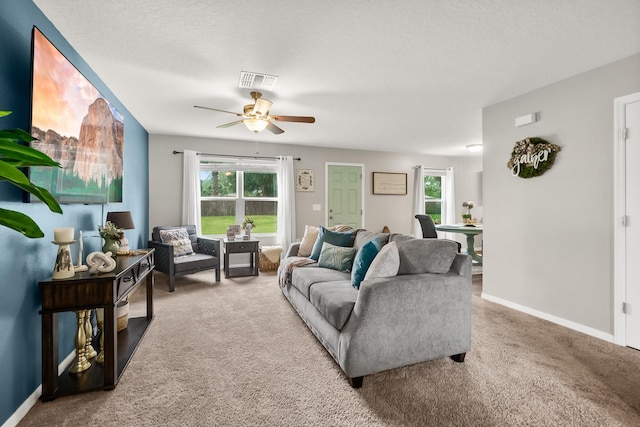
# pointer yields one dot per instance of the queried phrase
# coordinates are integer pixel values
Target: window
(435, 181)
(232, 191)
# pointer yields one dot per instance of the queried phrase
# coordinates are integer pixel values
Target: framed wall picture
(389, 183)
(76, 126)
(305, 180)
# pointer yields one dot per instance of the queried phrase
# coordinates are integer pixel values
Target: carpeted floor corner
(235, 353)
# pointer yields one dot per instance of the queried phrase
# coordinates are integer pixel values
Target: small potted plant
(112, 236)
(248, 225)
(466, 217)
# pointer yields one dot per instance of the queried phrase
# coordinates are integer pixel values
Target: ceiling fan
(256, 116)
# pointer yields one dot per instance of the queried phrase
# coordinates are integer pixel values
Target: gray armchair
(206, 255)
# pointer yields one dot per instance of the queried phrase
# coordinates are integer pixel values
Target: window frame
(240, 167)
(444, 203)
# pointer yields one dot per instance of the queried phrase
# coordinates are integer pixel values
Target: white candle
(63, 234)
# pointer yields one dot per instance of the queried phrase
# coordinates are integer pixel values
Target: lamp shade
(255, 125)
(121, 220)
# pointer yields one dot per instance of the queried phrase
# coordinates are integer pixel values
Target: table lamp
(122, 220)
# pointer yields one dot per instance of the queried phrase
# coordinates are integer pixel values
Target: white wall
(396, 212)
(548, 240)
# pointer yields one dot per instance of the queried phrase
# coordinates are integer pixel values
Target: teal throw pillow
(336, 257)
(336, 238)
(363, 260)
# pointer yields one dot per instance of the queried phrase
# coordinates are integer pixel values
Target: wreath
(532, 157)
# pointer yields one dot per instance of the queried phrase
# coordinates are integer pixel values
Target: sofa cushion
(337, 238)
(426, 255)
(308, 240)
(363, 236)
(336, 257)
(335, 300)
(386, 262)
(302, 278)
(179, 239)
(364, 257)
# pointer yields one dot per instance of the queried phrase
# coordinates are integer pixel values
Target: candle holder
(63, 268)
(80, 363)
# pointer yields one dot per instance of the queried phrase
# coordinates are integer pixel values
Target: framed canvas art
(76, 126)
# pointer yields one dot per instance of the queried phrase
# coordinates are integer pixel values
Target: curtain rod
(235, 157)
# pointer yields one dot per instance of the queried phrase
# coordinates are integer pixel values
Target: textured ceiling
(406, 76)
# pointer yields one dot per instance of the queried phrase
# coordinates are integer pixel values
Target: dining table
(470, 231)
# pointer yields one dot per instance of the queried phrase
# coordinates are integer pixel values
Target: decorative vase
(247, 230)
(110, 245)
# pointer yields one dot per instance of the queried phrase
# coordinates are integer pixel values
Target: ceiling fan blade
(261, 107)
(217, 109)
(274, 129)
(226, 125)
(299, 119)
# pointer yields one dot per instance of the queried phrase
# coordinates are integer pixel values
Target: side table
(241, 247)
(87, 291)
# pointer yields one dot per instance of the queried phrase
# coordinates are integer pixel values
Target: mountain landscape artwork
(76, 126)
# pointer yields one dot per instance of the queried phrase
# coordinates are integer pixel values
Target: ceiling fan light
(261, 107)
(255, 125)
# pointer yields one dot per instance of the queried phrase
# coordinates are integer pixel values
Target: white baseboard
(23, 409)
(557, 320)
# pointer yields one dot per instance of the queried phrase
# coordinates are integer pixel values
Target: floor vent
(257, 81)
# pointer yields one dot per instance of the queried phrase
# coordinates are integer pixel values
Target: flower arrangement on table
(248, 224)
(112, 236)
(111, 232)
(466, 217)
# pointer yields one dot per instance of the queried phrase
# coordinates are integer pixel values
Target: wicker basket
(122, 313)
(264, 264)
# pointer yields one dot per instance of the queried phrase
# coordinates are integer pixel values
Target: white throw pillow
(308, 240)
(386, 263)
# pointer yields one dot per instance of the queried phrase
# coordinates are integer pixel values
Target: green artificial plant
(15, 155)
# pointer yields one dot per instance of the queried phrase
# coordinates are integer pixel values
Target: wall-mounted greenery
(14, 155)
(532, 157)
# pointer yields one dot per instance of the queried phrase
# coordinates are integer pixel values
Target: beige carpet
(236, 354)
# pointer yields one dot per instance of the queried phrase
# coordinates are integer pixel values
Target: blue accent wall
(24, 261)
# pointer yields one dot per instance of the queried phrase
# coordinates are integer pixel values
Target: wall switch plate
(315, 207)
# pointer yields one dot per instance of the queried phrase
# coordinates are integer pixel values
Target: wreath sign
(532, 157)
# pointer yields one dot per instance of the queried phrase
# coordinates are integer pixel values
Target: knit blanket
(288, 264)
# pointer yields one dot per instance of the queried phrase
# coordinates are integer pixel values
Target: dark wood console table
(87, 291)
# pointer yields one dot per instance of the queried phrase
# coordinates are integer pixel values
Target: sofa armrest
(408, 319)
(209, 246)
(163, 255)
(293, 250)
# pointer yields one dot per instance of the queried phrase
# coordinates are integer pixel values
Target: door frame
(326, 188)
(619, 212)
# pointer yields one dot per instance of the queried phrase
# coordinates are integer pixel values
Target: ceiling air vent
(257, 81)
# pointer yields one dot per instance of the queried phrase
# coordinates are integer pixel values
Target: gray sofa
(388, 322)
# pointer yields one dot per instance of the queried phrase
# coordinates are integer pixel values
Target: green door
(344, 195)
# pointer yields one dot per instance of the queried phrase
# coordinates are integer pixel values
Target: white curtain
(450, 204)
(418, 199)
(191, 190)
(286, 201)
